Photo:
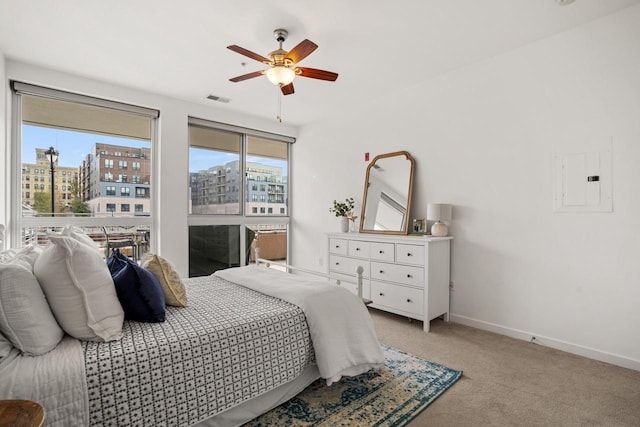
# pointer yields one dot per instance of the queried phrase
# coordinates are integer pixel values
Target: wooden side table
(21, 413)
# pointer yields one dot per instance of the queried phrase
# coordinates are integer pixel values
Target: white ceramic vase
(344, 224)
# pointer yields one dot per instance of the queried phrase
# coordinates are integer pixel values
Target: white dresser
(406, 275)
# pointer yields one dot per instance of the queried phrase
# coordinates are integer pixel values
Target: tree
(79, 207)
(42, 203)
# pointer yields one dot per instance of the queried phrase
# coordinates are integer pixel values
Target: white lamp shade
(280, 75)
(438, 212)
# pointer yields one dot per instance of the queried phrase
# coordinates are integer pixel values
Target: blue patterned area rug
(391, 397)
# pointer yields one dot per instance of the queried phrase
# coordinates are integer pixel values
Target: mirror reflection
(387, 194)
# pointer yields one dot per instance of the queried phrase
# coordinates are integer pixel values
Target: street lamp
(52, 155)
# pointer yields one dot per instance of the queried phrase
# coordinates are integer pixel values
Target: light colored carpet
(509, 382)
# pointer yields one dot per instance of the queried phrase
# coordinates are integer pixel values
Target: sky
(74, 146)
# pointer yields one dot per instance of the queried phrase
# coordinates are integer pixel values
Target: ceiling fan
(283, 65)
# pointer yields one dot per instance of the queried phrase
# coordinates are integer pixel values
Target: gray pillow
(25, 317)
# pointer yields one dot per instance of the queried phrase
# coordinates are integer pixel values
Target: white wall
(173, 154)
(3, 138)
(483, 138)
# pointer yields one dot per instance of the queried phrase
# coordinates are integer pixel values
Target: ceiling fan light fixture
(280, 75)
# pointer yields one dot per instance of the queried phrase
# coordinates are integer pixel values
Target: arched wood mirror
(387, 194)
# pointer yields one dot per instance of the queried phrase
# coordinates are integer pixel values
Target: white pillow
(29, 254)
(25, 317)
(80, 290)
(79, 234)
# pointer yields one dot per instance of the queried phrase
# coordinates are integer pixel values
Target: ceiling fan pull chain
(279, 116)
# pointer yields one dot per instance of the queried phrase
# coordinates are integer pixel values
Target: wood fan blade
(287, 89)
(248, 53)
(314, 73)
(247, 76)
(301, 51)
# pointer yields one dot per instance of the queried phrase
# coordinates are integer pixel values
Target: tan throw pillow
(172, 287)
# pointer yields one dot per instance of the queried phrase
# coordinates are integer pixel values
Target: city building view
(216, 190)
(112, 180)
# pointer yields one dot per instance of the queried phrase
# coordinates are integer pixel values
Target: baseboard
(591, 353)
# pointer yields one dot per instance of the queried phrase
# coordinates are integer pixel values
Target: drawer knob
(357, 249)
(381, 272)
(409, 300)
(381, 294)
(408, 276)
(409, 254)
(337, 246)
(381, 252)
(337, 263)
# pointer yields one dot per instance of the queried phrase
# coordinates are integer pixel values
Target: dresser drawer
(359, 249)
(338, 246)
(410, 254)
(409, 300)
(350, 283)
(345, 265)
(382, 251)
(404, 274)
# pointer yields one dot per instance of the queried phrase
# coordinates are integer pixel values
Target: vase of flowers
(343, 211)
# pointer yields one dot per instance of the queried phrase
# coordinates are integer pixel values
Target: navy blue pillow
(138, 290)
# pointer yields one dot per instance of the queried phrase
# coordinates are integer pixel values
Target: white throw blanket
(55, 379)
(341, 328)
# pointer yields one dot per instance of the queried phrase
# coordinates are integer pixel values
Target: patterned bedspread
(230, 345)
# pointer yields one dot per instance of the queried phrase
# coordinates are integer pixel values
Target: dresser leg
(426, 326)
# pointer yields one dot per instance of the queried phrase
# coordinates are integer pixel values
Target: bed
(250, 339)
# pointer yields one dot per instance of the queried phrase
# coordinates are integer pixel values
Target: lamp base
(439, 229)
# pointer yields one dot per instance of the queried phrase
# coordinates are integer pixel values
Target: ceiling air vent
(219, 99)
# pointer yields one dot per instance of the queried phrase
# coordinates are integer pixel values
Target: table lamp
(440, 213)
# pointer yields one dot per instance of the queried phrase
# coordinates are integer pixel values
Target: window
(122, 164)
(135, 179)
(122, 178)
(73, 124)
(125, 192)
(125, 207)
(224, 164)
(135, 166)
(141, 192)
(139, 208)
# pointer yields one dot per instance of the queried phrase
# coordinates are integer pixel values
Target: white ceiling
(178, 48)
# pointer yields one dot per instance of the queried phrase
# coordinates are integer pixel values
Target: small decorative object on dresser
(440, 213)
(343, 211)
(406, 275)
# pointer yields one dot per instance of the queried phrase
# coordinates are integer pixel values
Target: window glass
(78, 154)
(216, 247)
(214, 160)
(66, 139)
(270, 240)
(267, 169)
(234, 174)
